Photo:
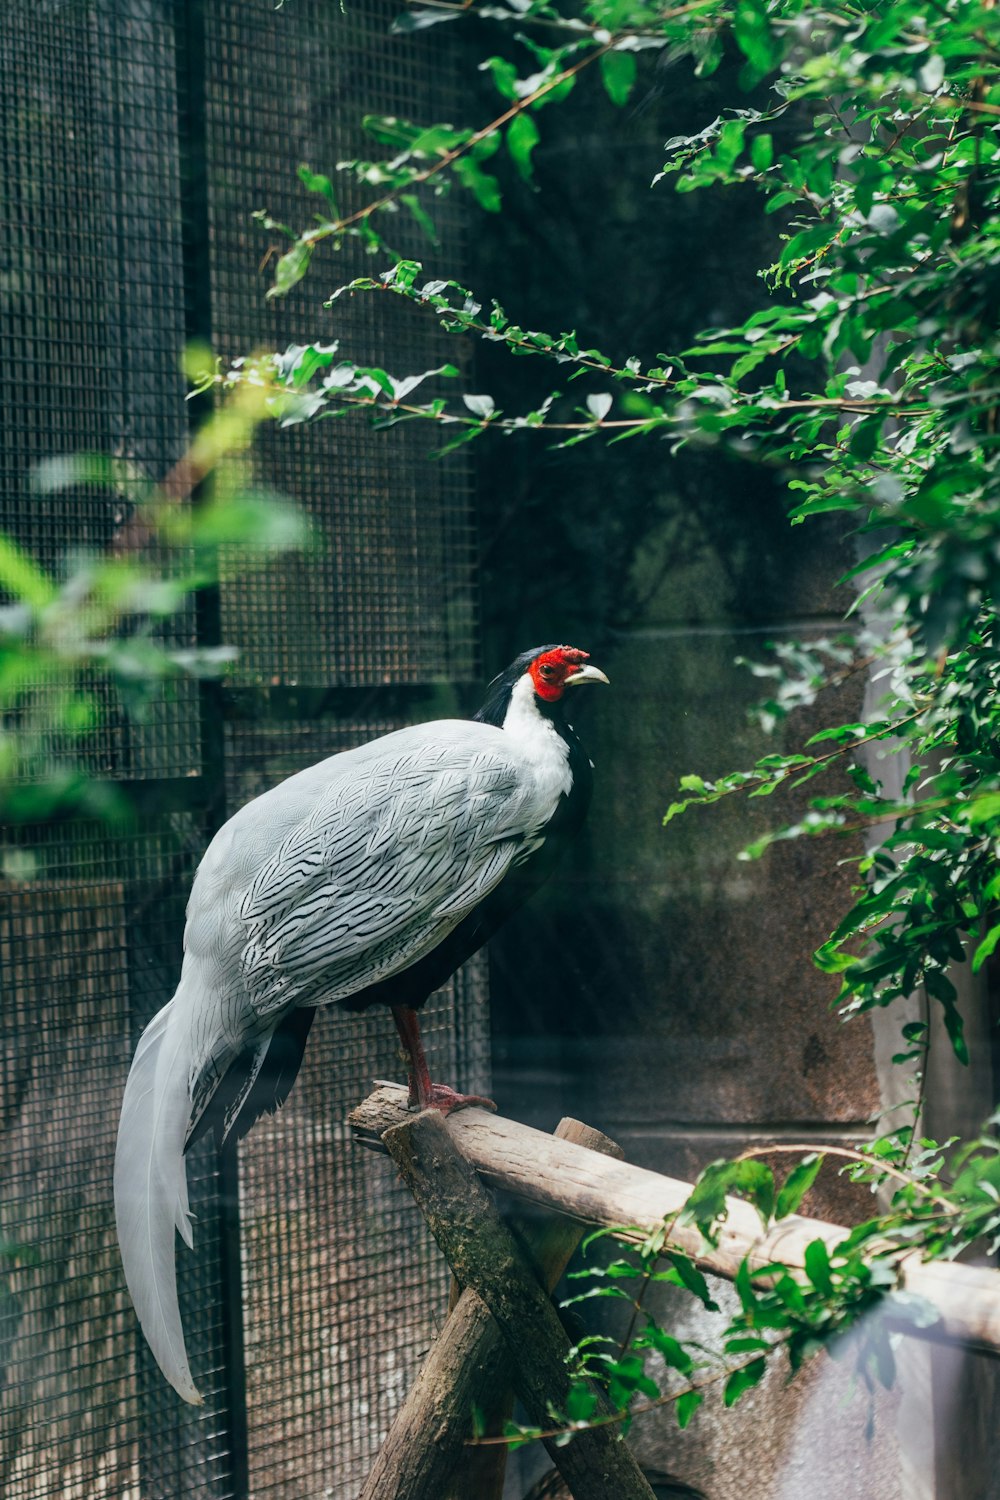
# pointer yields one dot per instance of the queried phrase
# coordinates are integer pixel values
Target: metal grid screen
(313, 1291)
(390, 599)
(91, 297)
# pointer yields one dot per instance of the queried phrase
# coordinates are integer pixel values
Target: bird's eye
(547, 671)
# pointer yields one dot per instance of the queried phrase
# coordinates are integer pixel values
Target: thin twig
(851, 1155)
(313, 235)
(633, 1411)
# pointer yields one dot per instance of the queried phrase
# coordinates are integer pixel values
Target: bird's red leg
(423, 1093)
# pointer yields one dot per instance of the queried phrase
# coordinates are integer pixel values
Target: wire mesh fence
(136, 139)
(389, 599)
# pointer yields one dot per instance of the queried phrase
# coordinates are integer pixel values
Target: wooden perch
(426, 1451)
(483, 1255)
(571, 1180)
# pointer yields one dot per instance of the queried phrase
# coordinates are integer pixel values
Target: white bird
(366, 879)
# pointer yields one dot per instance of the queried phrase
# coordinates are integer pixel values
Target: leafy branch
(844, 1298)
(114, 633)
(461, 150)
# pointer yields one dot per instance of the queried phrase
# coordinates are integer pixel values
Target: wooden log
(483, 1254)
(426, 1455)
(562, 1177)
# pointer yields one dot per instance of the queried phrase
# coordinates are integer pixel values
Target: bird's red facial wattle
(556, 670)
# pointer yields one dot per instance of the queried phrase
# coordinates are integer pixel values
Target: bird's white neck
(538, 741)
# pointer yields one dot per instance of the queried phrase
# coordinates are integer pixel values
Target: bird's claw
(446, 1100)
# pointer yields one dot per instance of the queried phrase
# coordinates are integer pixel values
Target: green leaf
(729, 146)
(798, 1182)
(755, 1180)
(746, 1344)
(817, 1262)
(985, 948)
(686, 1406)
(762, 152)
(790, 1293)
(955, 1028)
(670, 1349)
(522, 138)
(627, 1378)
(581, 1403)
(519, 1436)
(21, 576)
(741, 1381)
(689, 1274)
(618, 75)
(984, 809)
(707, 48)
(255, 520)
(558, 94)
(390, 131)
(482, 185)
(483, 149)
(316, 182)
(290, 269)
(504, 75)
(419, 20)
(841, 733)
(750, 1178)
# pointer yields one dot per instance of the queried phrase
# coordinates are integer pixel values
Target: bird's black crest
(497, 700)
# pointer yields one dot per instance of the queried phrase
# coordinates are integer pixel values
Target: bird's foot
(447, 1100)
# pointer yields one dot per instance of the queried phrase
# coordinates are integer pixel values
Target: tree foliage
(866, 378)
(118, 627)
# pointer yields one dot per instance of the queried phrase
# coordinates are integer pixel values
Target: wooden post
(595, 1190)
(464, 1220)
(426, 1451)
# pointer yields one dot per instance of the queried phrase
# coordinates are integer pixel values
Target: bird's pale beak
(585, 674)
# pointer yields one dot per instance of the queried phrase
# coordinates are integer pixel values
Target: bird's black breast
(414, 985)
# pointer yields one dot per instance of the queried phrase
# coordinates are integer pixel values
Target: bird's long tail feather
(151, 1197)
